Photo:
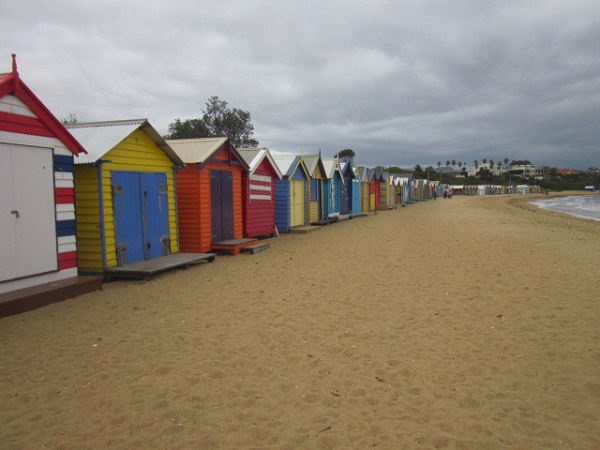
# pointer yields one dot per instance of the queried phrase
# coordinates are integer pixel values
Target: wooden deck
(150, 267)
(34, 297)
(232, 246)
(327, 221)
(305, 229)
(256, 248)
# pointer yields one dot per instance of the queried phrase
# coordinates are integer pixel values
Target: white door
(27, 211)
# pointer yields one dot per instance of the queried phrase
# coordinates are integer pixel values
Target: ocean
(584, 206)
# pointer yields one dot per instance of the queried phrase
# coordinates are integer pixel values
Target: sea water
(585, 206)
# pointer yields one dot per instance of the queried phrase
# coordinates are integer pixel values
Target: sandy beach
(465, 323)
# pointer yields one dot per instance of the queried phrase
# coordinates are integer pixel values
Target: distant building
(531, 171)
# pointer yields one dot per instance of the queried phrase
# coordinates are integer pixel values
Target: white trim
(66, 240)
(60, 216)
(65, 248)
(63, 183)
(264, 178)
(260, 187)
(259, 197)
(63, 175)
(65, 207)
(10, 286)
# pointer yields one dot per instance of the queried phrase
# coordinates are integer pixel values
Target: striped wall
(64, 194)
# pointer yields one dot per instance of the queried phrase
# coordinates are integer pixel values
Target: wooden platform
(232, 246)
(150, 267)
(328, 221)
(305, 229)
(34, 297)
(256, 248)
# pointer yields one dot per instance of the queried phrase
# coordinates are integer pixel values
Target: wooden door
(27, 211)
(141, 215)
(296, 203)
(221, 201)
(127, 207)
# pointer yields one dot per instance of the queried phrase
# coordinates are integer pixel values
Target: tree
(217, 120)
(453, 163)
(346, 155)
(476, 164)
(346, 152)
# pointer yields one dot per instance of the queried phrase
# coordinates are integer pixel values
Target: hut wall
(259, 198)
(282, 205)
(136, 153)
(194, 204)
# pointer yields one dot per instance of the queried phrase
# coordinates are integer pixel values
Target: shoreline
(460, 323)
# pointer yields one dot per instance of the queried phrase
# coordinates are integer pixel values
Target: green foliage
(217, 120)
(348, 152)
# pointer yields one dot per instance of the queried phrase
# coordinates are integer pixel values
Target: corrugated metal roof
(252, 156)
(98, 138)
(255, 156)
(331, 165)
(286, 164)
(311, 162)
(196, 150)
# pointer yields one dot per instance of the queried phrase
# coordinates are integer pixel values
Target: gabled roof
(101, 137)
(347, 168)
(200, 150)
(312, 162)
(289, 163)
(11, 84)
(255, 156)
(332, 165)
(375, 174)
(362, 173)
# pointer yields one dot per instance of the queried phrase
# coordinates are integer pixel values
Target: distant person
(434, 195)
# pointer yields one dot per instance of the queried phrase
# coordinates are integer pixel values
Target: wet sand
(463, 323)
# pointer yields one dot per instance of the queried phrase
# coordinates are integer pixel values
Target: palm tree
(453, 163)
(476, 164)
(459, 165)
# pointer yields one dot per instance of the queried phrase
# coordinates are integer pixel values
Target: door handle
(16, 213)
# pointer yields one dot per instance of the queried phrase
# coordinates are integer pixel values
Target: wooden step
(256, 248)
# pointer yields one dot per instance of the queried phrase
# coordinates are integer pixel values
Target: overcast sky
(401, 82)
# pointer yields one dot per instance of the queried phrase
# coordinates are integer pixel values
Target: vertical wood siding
(282, 205)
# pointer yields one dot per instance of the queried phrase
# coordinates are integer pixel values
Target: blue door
(156, 214)
(141, 215)
(221, 205)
